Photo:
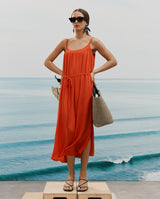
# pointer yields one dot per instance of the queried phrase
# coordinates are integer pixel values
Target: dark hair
(86, 16)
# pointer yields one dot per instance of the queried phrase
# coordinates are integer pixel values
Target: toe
(67, 188)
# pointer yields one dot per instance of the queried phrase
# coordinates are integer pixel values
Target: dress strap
(91, 40)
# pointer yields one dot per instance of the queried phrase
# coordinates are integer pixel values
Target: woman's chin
(78, 29)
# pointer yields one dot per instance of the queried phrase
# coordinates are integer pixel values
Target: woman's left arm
(111, 60)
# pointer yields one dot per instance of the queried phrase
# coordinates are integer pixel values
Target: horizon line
(116, 78)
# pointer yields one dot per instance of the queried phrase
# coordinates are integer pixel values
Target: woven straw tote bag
(100, 112)
(56, 90)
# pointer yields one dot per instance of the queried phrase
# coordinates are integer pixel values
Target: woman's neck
(80, 34)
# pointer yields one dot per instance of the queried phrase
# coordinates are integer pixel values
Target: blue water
(128, 149)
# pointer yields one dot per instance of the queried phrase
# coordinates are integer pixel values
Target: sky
(31, 29)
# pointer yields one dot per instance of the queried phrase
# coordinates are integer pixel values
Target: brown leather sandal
(82, 186)
(68, 186)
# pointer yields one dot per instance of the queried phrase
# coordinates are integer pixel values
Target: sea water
(128, 149)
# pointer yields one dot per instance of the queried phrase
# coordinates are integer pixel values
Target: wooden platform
(54, 190)
(95, 190)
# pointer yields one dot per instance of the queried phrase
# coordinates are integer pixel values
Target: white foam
(121, 160)
(152, 176)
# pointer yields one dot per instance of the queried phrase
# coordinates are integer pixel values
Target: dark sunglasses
(79, 19)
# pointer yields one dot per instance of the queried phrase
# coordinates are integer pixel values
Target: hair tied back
(86, 29)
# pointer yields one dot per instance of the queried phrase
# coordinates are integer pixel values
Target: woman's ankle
(83, 174)
(71, 175)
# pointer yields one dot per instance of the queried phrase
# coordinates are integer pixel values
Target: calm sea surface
(128, 149)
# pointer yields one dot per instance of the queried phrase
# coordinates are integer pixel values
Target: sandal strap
(83, 183)
(83, 179)
(68, 184)
(82, 186)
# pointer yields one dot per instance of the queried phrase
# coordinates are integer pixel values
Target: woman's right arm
(49, 60)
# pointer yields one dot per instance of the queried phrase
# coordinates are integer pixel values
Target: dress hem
(63, 161)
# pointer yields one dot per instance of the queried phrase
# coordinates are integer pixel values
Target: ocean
(128, 149)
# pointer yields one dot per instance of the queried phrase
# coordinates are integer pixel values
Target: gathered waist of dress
(67, 79)
(76, 75)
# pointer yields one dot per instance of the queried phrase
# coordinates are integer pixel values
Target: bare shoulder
(103, 50)
(62, 44)
(97, 43)
(57, 50)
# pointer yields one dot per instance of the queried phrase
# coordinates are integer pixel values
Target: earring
(73, 30)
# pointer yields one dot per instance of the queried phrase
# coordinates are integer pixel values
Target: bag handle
(95, 90)
(58, 79)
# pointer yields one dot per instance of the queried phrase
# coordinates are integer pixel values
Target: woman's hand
(61, 78)
(93, 79)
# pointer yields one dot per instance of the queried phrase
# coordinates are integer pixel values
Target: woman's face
(78, 25)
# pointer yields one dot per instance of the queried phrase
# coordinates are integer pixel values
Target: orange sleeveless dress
(74, 126)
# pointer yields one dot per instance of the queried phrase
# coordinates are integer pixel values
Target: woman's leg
(84, 163)
(71, 173)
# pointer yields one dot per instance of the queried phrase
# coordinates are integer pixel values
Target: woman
(74, 136)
